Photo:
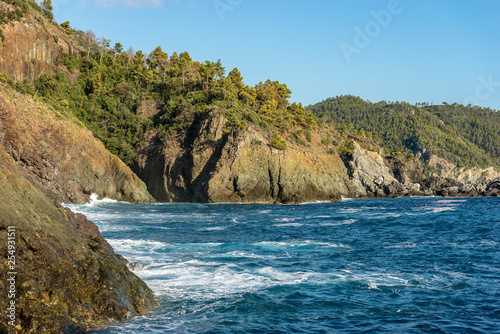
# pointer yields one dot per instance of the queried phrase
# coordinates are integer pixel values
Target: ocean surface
(407, 265)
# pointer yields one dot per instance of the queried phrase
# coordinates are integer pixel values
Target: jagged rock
(210, 165)
(372, 177)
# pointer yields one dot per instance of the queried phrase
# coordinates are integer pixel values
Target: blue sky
(394, 50)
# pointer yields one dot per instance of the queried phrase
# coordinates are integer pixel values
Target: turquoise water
(408, 265)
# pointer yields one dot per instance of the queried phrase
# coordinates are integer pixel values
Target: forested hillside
(124, 96)
(467, 136)
(120, 95)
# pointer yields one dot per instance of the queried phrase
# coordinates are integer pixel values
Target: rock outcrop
(68, 278)
(440, 168)
(371, 177)
(482, 188)
(31, 46)
(60, 156)
(207, 164)
(210, 165)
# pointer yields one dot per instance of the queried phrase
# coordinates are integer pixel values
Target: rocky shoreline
(212, 166)
(67, 277)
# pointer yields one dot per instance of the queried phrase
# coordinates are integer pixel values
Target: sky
(416, 51)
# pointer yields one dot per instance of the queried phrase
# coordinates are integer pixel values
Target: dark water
(409, 265)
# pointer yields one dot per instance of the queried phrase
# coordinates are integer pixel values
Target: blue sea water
(407, 265)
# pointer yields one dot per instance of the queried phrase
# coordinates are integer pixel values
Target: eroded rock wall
(210, 165)
(32, 46)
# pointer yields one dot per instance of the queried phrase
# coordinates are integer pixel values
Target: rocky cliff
(32, 45)
(210, 165)
(207, 164)
(68, 277)
(60, 156)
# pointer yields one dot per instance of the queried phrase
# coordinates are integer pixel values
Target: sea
(405, 265)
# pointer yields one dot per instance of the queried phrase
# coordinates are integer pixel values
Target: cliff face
(213, 166)
(30, 48)
(68, 278)
(205, 164)
(60, 157)
(370, 176)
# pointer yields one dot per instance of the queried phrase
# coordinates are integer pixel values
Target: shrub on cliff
(277, 142)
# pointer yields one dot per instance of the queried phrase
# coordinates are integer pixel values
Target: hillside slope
(30, 44)
(61, 157)
(465, 136)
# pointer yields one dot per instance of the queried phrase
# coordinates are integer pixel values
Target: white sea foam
(316, 202)
(344, 222)
(285, 219)
(206, 280)
(404, 245)
(305, 243)
(131, 245)
(94, 199)
(448, 201)
(384, 215)
(214, 228)
(443, 208)
(288, 225)
(350, 210)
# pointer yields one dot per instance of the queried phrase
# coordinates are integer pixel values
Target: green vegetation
(277, 142)
(111, 88)
(467, 136)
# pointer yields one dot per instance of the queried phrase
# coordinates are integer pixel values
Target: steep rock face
(371, 176)
(30, 48)
(68, 278)
(61, 157)
(214, 166)
(209, 165)
(442, 168)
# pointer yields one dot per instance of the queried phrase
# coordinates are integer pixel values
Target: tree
(158, 62)
(46, 7)
(185, 65)
(117, 49)
(67, 28)
(219, 70)
(236, 78)
(91, 39)
(174, 64)
(103, 45)
(130, 55)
